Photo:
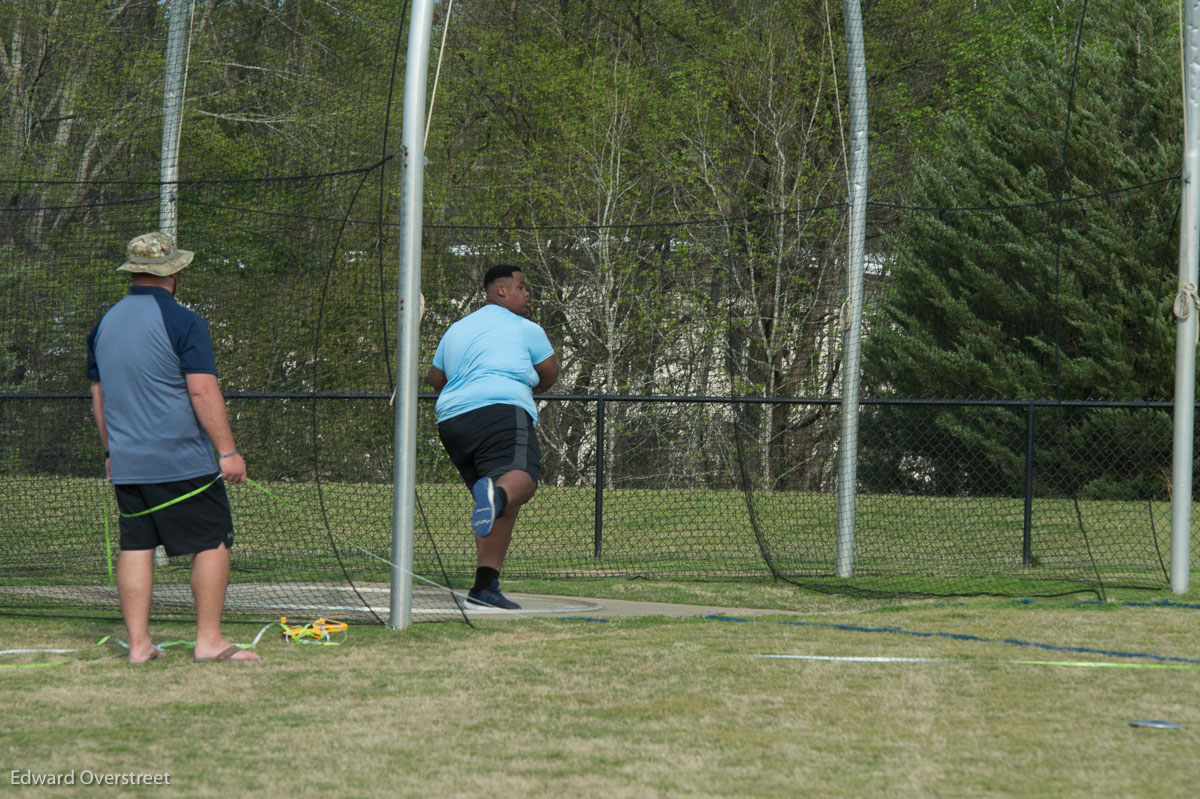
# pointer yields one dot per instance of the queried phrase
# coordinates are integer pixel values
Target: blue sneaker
(490, 597)
(484, 515)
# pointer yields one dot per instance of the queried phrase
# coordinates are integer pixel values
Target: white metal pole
(856, 63)
(174, 80)
(404, 470)
(1186, 308)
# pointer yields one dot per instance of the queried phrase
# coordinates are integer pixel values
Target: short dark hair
(498, 271)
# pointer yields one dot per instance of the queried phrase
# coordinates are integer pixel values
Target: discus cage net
(688, 264)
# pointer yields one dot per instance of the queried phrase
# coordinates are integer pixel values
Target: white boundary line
(855, 659)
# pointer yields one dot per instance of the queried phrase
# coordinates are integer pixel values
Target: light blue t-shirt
(488, 357)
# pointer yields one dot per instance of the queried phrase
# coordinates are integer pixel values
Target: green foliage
(588, 129)
(1004, 292)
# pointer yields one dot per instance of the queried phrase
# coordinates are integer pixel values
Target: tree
(76, 78)
(1020, 295)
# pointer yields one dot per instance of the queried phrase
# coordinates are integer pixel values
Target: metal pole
(1027, 537)
(598, 529)
(856, 63)
(174, 80)
(1185, 330)
(404, 470)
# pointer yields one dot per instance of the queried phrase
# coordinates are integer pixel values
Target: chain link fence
(685, 240)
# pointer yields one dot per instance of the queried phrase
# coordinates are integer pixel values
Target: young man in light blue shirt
(487, 367)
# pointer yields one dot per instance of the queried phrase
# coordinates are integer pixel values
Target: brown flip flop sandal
(225, 656)
(156, 654)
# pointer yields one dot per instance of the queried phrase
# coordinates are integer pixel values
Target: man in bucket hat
(160, 413)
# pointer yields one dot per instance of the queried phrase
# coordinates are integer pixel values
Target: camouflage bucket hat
(155, 254)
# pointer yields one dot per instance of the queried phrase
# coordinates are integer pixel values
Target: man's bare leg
(210, 576)
(519, 487)
(135, 586)
(490, 551)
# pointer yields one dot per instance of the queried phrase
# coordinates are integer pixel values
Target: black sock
(501, 500)
(484, 577)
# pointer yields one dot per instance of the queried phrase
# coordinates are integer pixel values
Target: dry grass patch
(643, 707)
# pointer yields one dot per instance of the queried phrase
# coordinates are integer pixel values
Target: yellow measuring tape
(315, 632)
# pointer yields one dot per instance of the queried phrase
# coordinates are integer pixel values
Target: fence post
(598, 534)
(1027, 538)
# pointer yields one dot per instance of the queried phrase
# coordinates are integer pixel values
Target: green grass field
(664, 707)
(53, 524)
(55, 551)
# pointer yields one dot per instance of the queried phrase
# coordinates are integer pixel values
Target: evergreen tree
(1000, 289)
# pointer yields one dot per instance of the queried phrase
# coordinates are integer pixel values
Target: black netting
(679, 209)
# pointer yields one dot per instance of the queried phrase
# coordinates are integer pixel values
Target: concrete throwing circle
(361, 602)
(532, 605)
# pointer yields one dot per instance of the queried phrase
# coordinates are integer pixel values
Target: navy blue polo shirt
(141, 352)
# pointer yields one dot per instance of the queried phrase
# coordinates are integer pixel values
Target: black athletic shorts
(193, 525)
(491, 441)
